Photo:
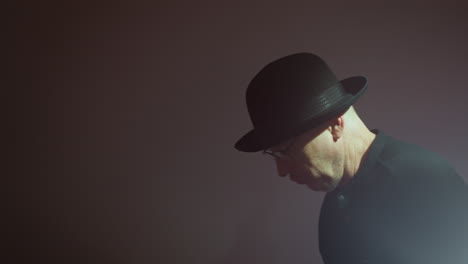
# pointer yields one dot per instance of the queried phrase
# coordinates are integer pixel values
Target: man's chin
(317, 186)
(320, 187)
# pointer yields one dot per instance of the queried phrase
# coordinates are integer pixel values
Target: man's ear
(336, 128)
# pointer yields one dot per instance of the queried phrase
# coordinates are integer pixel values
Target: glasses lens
(275, 155)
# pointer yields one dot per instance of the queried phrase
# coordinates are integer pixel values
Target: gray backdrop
(125, 116)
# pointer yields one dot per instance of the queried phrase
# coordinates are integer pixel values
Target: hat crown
(292, 95)
(285, 87)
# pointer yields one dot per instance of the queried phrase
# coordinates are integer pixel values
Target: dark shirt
(404, 205)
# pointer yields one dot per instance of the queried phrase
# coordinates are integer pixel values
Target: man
(387, 201)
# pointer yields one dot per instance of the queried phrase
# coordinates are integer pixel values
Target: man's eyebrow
(281, 147)
(277, 148)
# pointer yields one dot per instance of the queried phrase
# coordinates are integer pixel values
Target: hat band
(313, 108)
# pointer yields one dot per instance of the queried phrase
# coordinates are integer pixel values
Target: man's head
(297, 102)
(326, 156)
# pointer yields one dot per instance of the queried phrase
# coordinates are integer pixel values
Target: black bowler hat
(292, 95)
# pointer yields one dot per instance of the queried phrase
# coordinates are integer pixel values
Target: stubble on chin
(322, 184)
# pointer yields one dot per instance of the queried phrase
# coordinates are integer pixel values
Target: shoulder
(400, 156)
(418, 168)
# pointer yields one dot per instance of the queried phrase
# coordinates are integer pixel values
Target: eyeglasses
(282, 154)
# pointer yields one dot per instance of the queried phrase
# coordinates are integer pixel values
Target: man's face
(313, 159)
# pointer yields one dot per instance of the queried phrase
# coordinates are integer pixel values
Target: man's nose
(282, 167)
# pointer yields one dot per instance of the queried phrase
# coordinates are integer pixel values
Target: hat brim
(256, 140)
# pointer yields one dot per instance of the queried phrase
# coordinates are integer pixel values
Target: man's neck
(356, 152)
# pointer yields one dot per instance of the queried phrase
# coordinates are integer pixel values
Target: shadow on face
(308, 136)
